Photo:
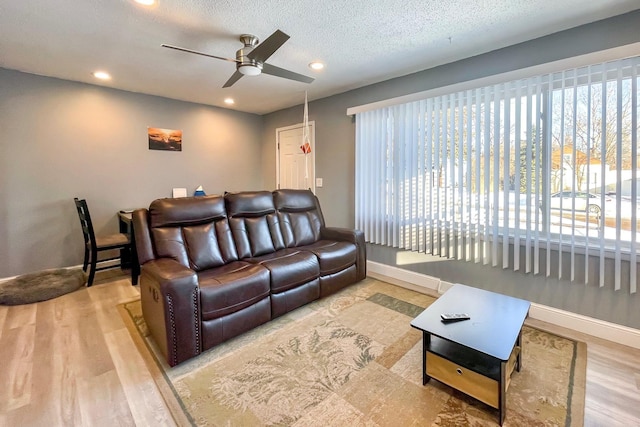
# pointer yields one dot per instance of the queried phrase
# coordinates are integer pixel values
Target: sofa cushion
(289, 268)
(333, 256)
(300, 216)
(254, 223)
(193, 230)
(252, 236)
(186, 211)
(249, 203)
(232, 287)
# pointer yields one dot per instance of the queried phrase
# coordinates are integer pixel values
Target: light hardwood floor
(71, 362)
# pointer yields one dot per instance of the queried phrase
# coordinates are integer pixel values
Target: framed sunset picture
(164, 139)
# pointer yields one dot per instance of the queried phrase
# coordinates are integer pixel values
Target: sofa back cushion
(254, 223)
(300, 216)
(193, 230)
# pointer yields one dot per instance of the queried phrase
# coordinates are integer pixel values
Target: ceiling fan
(250, 60)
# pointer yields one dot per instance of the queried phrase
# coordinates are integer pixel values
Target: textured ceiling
(361, 41)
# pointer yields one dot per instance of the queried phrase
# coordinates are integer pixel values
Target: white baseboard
(397, 275)
(577, 322)
(588, 325)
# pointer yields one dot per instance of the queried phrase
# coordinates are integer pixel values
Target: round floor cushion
(41, 286)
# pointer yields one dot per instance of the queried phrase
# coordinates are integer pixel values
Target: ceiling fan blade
(182, 49)
(234, 78)
(264, 50)
(281, 72)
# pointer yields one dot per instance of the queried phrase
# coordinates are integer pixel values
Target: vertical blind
(538, 174)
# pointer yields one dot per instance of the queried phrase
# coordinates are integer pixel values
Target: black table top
(496, 320)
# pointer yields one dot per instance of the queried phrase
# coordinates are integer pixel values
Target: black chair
(94, 244)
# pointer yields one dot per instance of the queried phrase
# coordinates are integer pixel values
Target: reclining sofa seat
(197, 293)
(213, 267)
(255, 226)
(303, 228)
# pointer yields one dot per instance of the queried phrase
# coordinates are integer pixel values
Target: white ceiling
(361, 41)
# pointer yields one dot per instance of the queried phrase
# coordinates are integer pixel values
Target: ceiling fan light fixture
(249, 69)
(316, 65)
(251, 59)
(102, 75)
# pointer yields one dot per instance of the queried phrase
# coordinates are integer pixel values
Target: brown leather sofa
(214, 267)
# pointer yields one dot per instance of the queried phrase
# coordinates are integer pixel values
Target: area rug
(41, 286)
(353, 359)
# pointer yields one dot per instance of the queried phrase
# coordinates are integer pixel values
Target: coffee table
(476, 356)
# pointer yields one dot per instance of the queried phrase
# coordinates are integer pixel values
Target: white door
(294, 168)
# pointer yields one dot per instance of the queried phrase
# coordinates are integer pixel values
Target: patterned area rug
(353, 359)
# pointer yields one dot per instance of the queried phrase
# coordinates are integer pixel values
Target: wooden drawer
(511, 364)
(476, 385)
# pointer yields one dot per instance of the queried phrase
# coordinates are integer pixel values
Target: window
(517, 170)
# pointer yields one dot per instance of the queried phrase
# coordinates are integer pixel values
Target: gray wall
(335, 131)
(588, 300)
(335, 154)
(62, 139)
(335, 138)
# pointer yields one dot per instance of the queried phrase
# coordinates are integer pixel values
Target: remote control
(454, 317)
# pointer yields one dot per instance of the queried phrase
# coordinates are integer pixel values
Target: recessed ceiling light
(229, 101)
(145, 2)
(316, 65)
(102, 75)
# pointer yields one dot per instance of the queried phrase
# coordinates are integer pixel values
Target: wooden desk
(129, 258)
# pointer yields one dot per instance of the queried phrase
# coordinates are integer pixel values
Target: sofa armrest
(142, 235)
(342, 234)
(353, 236)
(170, 299)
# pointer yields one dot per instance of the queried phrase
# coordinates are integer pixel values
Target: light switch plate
(318, 182)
